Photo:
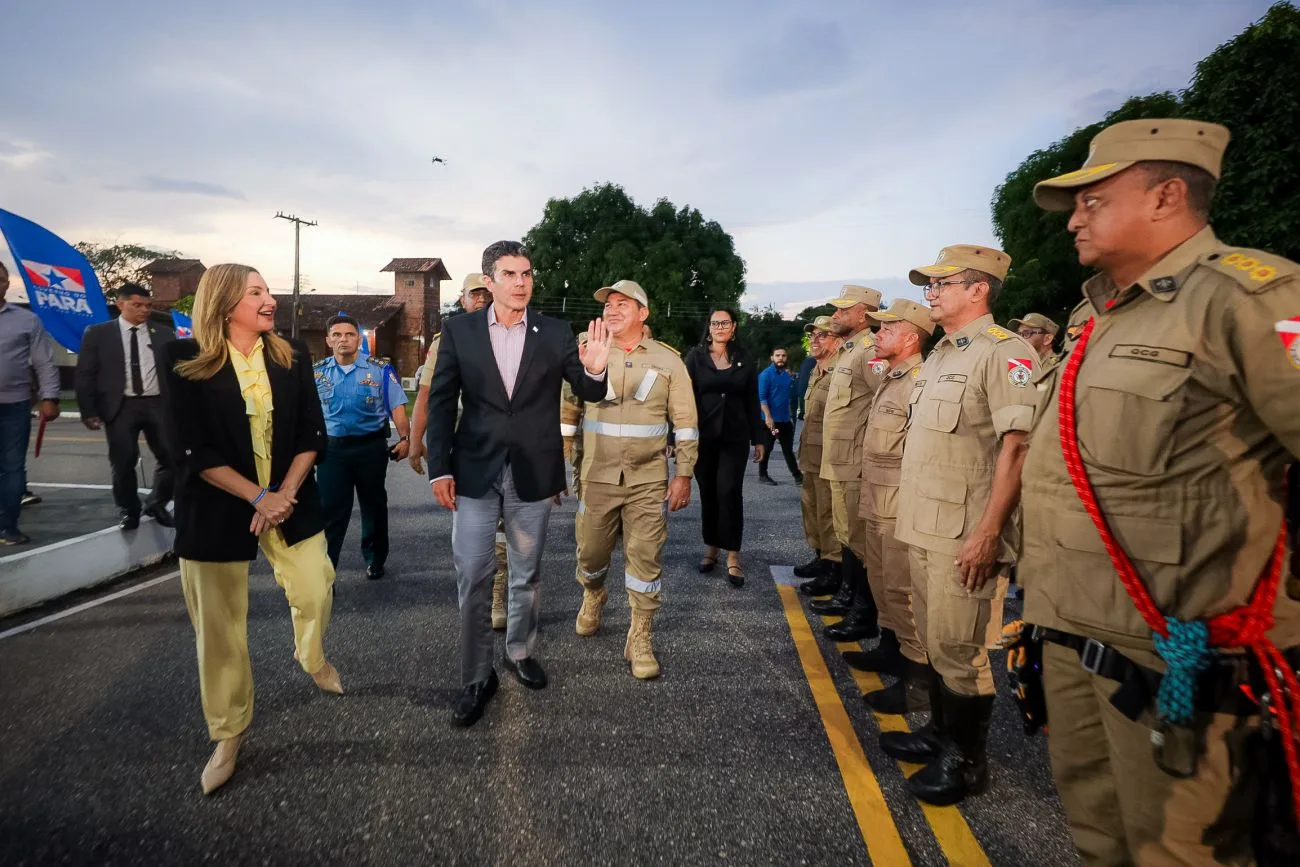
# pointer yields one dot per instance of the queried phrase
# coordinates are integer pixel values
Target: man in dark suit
(118, 388)
(504, 459)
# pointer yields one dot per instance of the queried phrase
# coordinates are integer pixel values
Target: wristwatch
(403, 439)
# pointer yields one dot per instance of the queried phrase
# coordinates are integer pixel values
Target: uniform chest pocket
(840, 391)
(939, 406)
(885, 433)
(1146, 394)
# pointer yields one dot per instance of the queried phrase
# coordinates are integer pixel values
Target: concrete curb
(31, 577)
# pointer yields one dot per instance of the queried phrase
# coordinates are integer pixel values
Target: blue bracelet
(258, 498)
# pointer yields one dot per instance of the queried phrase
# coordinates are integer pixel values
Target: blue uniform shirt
(775, 388)
(353, 399)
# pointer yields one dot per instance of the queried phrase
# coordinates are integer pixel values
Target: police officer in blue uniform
(358, 397)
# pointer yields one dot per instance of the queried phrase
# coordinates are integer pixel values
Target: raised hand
(595, 353)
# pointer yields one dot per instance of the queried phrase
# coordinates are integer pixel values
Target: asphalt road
(736, 754)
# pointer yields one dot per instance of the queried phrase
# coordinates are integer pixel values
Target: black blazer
(209, 424)
(525, 429)
(101, 367)
(726, 401)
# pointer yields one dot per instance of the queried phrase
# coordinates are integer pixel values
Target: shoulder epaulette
(998, 333)
(666, 346)
(1253, 269)
(318, 365)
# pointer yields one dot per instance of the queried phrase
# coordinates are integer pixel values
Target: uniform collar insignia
(962, 341)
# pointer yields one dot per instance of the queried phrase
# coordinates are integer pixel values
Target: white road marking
(77, 609)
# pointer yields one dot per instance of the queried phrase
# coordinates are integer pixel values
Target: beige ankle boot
(593, 602)
(639, 649)
(221, 767)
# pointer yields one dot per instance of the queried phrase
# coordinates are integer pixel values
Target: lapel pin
(534, 329)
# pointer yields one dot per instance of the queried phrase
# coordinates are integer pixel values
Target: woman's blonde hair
(220, 291)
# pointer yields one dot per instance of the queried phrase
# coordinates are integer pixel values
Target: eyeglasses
(934, 290)
(721, 323)
(1031, 332)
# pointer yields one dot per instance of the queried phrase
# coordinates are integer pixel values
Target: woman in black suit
(241, 402)
(725, 379)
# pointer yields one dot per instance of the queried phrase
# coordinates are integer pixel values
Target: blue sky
(837, 141)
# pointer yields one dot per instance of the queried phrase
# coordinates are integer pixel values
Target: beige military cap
(959, 257)
(906, 310)
(472, 282)
(821, 323)
(1035, 320)
(630, 288)
(851, 295)
(1118, 147)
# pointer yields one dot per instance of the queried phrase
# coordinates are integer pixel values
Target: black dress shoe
(822, 585)
(890, 700)
(814, 567)
(374, 573)
(767, 480)
(161, 515)
(528, 671)
(473, 699)
(129, 522)
(798, 478)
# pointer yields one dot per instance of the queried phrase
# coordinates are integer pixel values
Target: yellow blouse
(255, 387)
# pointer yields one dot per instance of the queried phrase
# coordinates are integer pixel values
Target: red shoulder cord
(1244, 627)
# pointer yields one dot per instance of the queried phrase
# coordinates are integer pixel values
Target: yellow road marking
(875, 820)
(951, 831)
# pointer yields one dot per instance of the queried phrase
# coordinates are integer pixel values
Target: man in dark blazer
(119, 376)
(504, 459)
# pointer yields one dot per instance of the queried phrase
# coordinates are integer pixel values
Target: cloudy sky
(836, 141)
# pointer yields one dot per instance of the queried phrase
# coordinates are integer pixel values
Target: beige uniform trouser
(850, 529)
(639, 512)
(891, 587)
(1121, 807)
(818, 517)
(216, 596)
(956, 626)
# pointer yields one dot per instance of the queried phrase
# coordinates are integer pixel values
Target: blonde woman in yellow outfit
(248, 430)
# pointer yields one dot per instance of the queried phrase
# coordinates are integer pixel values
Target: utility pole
(298, 223)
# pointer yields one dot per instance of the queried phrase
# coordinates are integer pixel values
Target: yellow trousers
(216, 596)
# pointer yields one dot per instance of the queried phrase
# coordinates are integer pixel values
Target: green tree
(764, 330)
(684, 262)
(1249, 85)
(116, 264)
(185, 304)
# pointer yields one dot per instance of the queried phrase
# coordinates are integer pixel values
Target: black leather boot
(926, 742)
(814, 567)
(860, 622)
(909, 694)
(884, 657)
(961, 769)
(824, 584)
(840, 603)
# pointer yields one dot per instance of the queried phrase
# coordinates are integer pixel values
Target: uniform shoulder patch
(666, 346)
(1253, 270)
(998, 333)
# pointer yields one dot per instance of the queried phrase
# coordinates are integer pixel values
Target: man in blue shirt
(358, 396)
(776, 398)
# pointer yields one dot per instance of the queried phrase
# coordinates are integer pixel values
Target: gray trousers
(473, 546)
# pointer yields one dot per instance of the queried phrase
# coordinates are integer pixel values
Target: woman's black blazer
(208, 422)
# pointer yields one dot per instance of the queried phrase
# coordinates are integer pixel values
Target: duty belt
(1220, 688)
(382, 433)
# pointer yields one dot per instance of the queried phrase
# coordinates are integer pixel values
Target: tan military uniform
(853, 382)
(624, 469)
(815, 502)
(973, 389)
(430, 362)
(1189, 361)
(572, 409)
(882, 458)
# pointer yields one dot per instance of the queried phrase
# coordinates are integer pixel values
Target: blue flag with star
(61, 286)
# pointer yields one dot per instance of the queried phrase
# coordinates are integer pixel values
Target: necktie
(137, 378)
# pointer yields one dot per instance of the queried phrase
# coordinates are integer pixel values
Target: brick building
(417, 287)
(170, 280)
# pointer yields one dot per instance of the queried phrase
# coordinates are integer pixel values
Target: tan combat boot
(593, 602)
(499, 600)
(639, 651)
